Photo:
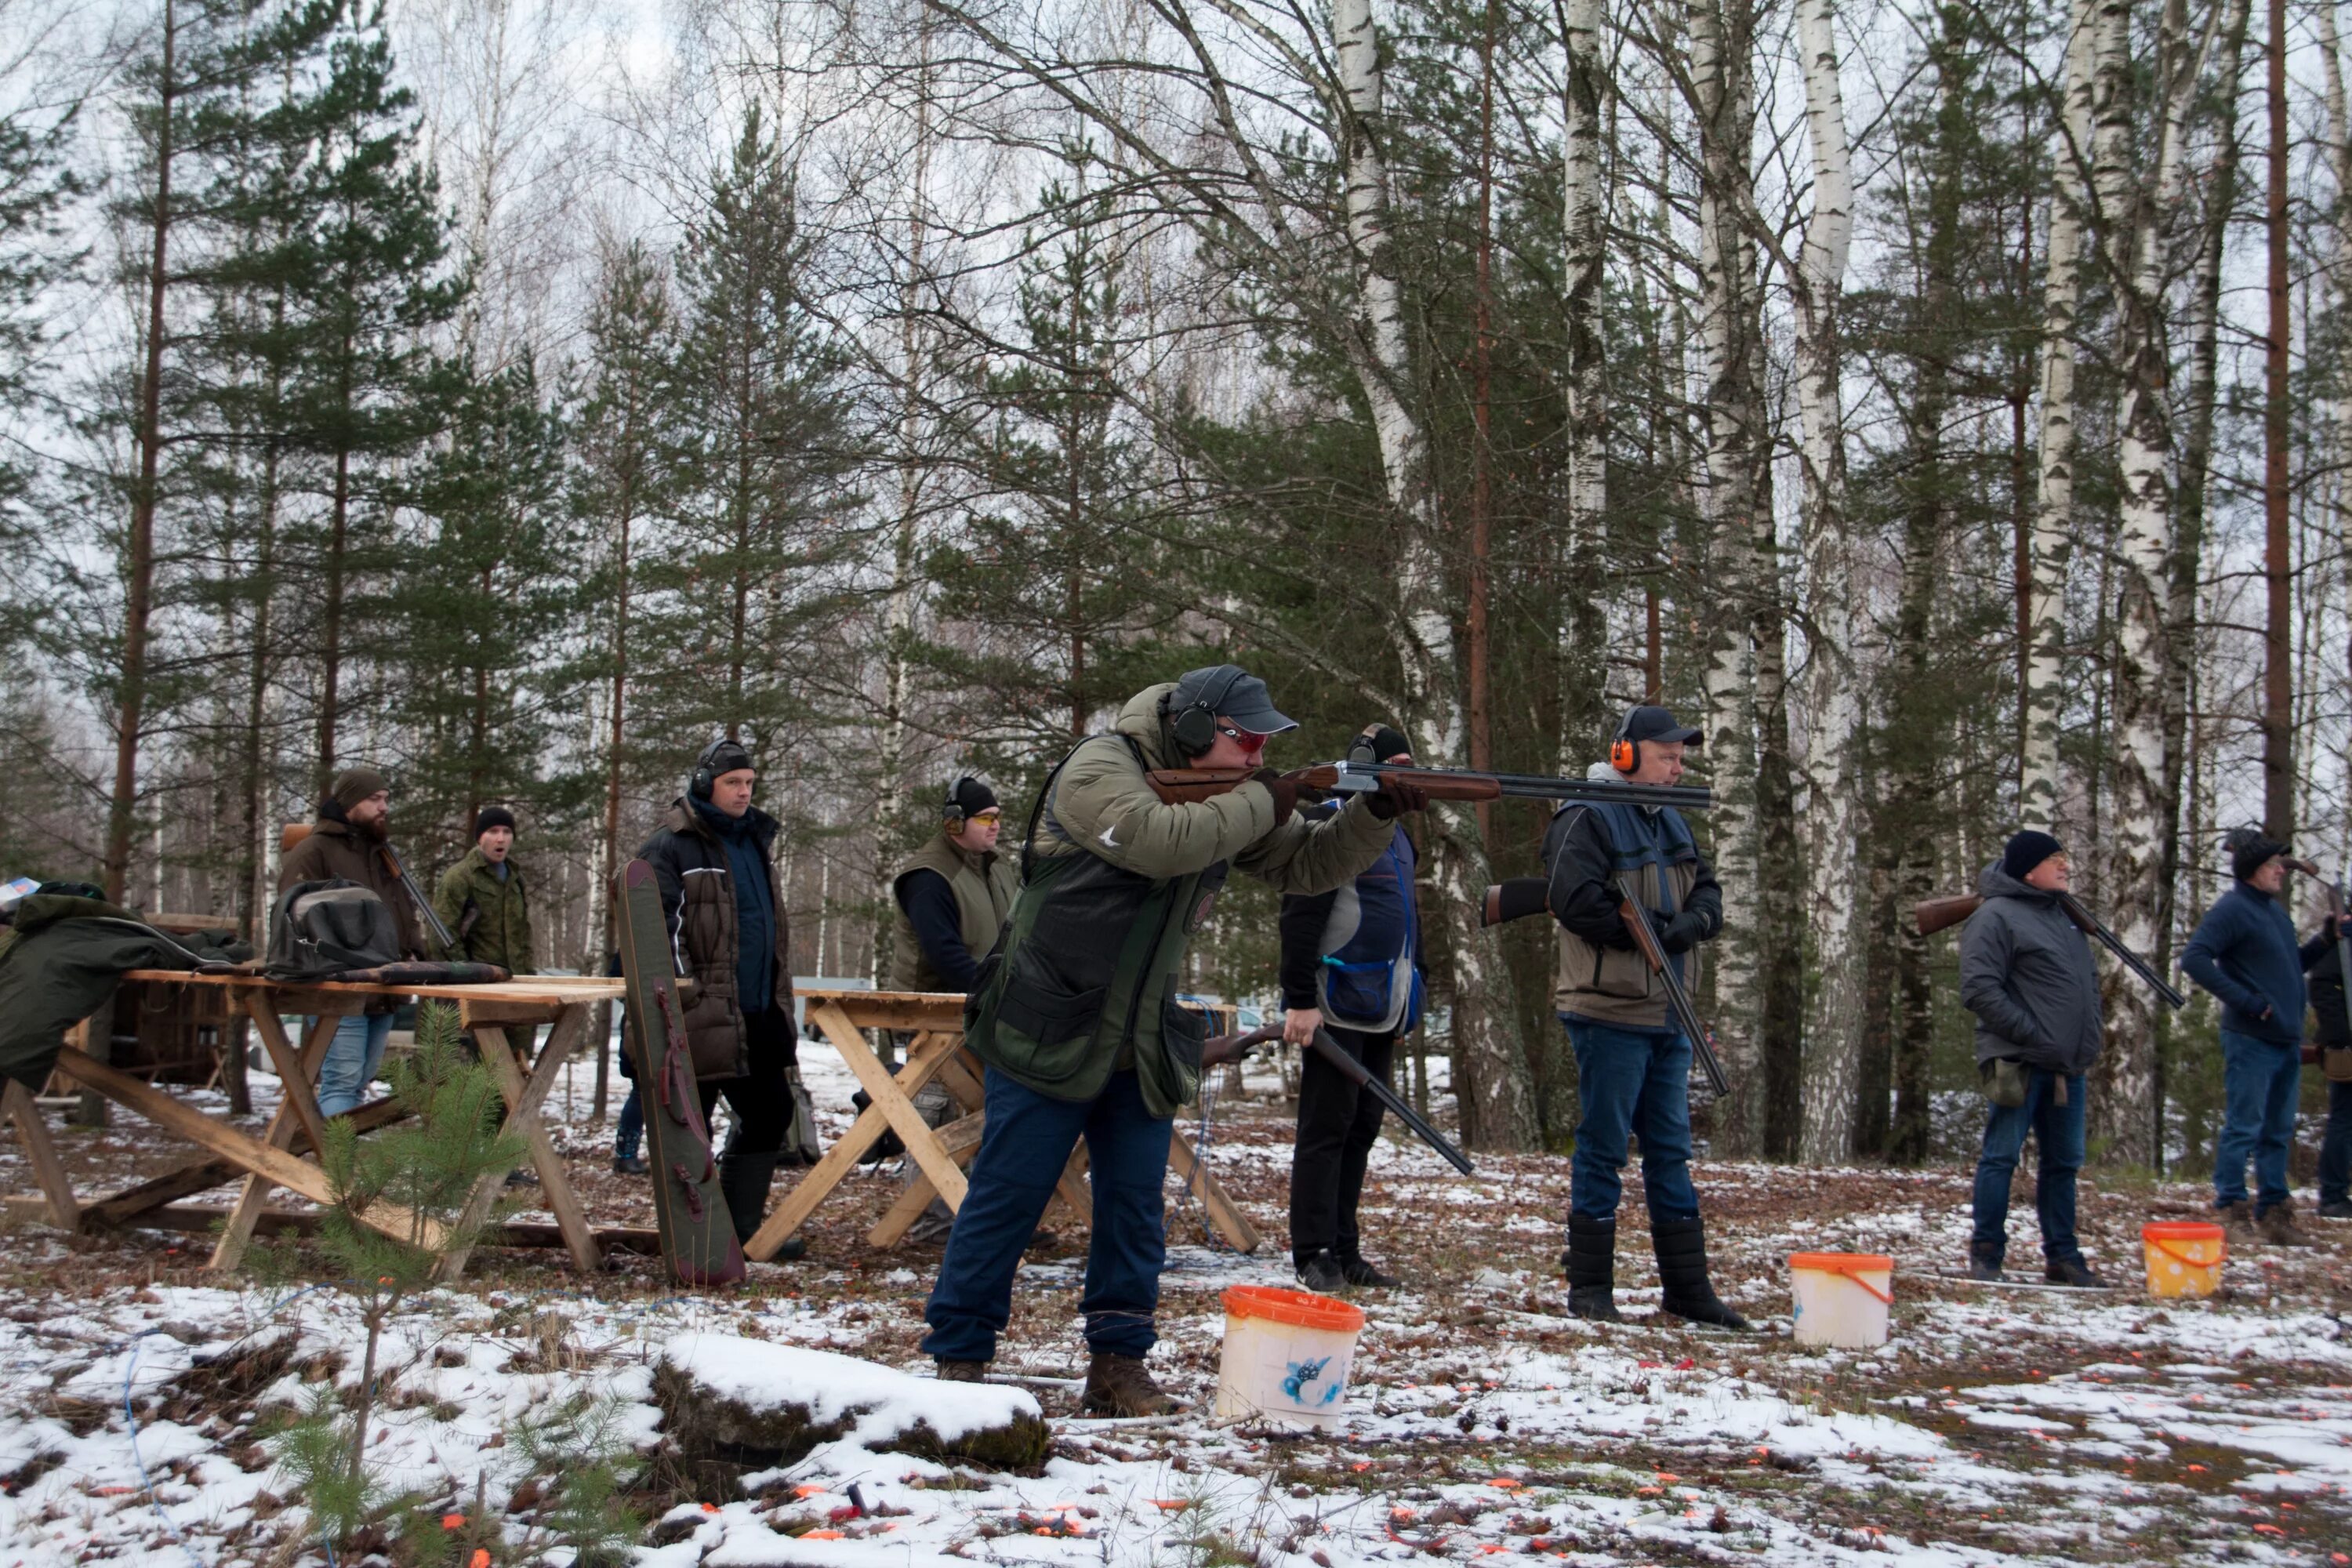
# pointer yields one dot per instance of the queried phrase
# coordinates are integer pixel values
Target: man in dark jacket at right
(2244, 952)
(2026, 973)
(713, 856)
(2323, 973)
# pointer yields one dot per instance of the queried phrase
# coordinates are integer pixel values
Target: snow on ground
(1994, 1427)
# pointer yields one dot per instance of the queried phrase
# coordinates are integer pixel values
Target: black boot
(1984, 1260)
(1319, 1273)
(1681, 1275)
(743, 1182)
(1590, 1261)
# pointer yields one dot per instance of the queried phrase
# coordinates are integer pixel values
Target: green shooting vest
(1084, 983)
(983, 887)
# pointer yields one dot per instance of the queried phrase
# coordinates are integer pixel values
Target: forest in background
(1944, 405)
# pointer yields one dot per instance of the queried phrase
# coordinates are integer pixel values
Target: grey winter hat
(2250, 849)
(353, 785)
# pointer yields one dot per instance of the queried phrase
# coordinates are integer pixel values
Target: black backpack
(320, 930)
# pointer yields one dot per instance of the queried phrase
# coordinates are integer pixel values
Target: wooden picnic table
(937, 1052)
(297, 1128)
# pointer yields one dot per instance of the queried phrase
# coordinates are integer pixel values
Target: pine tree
(482, 599)
(369, 290)
(763, 439)
(1055, 562)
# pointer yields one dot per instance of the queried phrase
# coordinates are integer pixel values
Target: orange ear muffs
(1625, 755)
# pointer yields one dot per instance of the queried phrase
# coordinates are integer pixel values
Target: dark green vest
(983, 893)
(1085, 983)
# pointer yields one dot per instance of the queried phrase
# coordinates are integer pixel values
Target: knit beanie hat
(2027, 848)
(353, 785)
(2249, 847)
(972, 797)
(491, 816)
(722, 756)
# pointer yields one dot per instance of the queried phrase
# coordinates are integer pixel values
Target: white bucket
(1286, 1356)
(1842, 1298)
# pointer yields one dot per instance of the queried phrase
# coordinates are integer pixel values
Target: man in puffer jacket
(714, 859)
(2026, 973)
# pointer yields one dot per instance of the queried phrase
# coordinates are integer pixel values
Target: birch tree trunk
(2138, 805)
(2053, 508)
(1490, 1066)
(2334, 432)
(1832, 1032)
(1585, 253)
(898, 614)
(1738, 493)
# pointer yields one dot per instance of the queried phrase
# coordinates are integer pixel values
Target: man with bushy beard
(346, 842)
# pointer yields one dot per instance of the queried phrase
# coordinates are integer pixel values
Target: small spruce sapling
(428, 1166)
(582, 1446)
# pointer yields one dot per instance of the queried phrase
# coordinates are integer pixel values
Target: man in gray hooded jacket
(2027, 974)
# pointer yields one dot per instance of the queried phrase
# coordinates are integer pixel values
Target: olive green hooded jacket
(1115, 883)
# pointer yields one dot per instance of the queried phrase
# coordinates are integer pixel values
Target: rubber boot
(744, 1180)
(1681, 1275)
(1590, 1261)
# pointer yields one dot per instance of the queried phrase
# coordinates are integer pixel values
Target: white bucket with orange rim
(1287, 1355)
(1842, 1298)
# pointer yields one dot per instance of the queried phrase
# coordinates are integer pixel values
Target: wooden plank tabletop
(552, 990)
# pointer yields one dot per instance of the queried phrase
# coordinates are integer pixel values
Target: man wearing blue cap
(2026, 973)
(1076, 1016)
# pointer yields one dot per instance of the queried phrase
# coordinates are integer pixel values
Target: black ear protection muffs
(1359, 751)
(1624, 752)
(951, 808)
(698, 786)
(1194, 727)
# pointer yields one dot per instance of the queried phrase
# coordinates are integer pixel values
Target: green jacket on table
(489, 914)
(1114, 883)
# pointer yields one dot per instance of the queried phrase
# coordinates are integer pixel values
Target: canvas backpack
(320, 930)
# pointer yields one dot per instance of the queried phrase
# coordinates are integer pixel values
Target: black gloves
(1683, 932)
(1284, 790)
(1395, 796)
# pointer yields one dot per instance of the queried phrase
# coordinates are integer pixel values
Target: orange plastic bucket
(1842, 1298)
(2183, 1260)
(1287, 1355)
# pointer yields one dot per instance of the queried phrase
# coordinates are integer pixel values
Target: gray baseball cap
(1228, 690)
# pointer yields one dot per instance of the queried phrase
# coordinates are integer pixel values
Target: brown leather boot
(2237, 1222)
(962, 1370)
(1119, 1385)
(2277, 1225)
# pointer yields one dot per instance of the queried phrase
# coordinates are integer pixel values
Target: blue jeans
(1028, 1142)
(2335, 1146)
(632, 1130)
(1631, 1082)
(2259, 1082)
(352, 1058)
(2059, 1130)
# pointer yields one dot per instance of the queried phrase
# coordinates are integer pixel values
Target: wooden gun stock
(1515, 899)
(1933, 915)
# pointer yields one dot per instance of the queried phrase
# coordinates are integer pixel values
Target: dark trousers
(2261, 1080)
(2335, 1146)
(1629, 1082)
(1026, 1145)
(2058, 1130)
(632, 1130)
(1338, 1124)
(761, 1099)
